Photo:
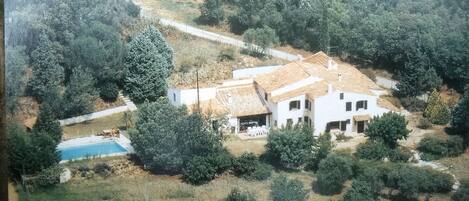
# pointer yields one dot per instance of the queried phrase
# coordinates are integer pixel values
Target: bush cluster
(409, 180)
(291, 146)
(249, 167)
(284, 189)
(199, 170)
(361, 191)
(377, 151)
(434, 148)
(202, 169)
(332, 173)
(371, 150)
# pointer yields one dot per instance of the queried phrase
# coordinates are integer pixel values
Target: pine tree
(437, 111)
(80, 94)
(417, 78)
(47, 123)
(460, 117)
(48, 74)
(147, 66)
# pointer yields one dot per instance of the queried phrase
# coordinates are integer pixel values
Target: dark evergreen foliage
(284, 189)
(48, 124)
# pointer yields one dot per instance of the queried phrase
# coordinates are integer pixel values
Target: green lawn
(94, 126)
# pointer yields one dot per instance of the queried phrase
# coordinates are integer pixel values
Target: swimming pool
(91, 150)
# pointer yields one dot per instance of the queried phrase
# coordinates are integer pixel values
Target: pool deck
(93, 139)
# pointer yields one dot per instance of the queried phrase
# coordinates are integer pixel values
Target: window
(294, 105)
(265, 96)
(174, 97)
(275, 123)
(307, 120)
(289, 122)
(299, 119)
(341, 96)
(307, 104)
(362, 104)
(348, 106)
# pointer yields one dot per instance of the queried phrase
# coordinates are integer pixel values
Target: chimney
(331, 64)
(329, 89)
(340, 77)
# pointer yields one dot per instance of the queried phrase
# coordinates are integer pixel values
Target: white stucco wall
(330, 108)
(189, 96)
(284, 113)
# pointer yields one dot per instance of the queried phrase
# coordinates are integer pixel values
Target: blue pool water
(91, 150)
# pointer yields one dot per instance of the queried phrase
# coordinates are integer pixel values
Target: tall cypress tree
(47, 123)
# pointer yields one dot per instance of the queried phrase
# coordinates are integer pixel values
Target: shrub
(199, 170)
(437, 111)
(434, 181)
(29, 153)
(237, 195)
(371, 150)
(227, 54)
(109, 91)
(321, 148)
(424, 123)
(222, 161)
(432, 148)
(462, 194)
(290, 146)
(284, 189)
(388, 128)
(49, 176)
(413, 104)
(400, 154)
(245, 165)
(332, 173)
(263, 171)
(455, 145)
(102, 169)
(410, 181)
(360, 191)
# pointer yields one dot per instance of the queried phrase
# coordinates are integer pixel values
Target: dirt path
(12, 194)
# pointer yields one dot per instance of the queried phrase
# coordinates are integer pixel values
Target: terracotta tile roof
(318, 58)
(351, 79)
(283, 76)
(240, 100)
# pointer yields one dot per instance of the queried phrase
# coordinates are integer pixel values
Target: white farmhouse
(328, 95)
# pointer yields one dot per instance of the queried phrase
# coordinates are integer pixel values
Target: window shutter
(366, 105)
